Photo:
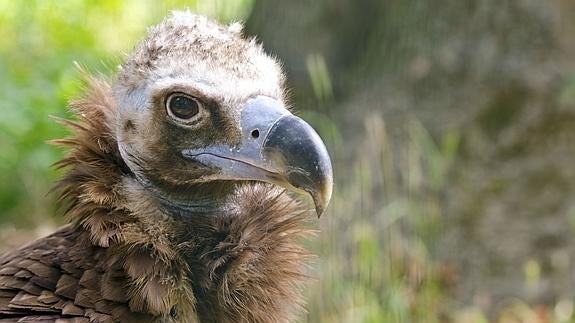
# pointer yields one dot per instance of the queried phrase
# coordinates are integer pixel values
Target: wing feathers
(56, 279)
(67, 286)
(8, 270)
(48, 298)
(71, 309)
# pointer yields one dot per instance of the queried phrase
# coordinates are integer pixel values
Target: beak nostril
(255, 133)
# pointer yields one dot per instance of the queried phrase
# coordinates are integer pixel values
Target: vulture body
(176, 191)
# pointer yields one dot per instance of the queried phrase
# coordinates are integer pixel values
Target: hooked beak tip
(322, 197)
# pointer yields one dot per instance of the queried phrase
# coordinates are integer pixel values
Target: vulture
(181, 191)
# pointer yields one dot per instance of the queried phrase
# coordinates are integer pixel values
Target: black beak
(276, 147)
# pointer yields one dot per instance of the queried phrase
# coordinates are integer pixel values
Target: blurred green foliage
(377, 263)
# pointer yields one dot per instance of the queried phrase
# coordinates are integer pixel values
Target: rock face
(502, 75)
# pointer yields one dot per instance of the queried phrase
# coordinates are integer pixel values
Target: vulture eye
(182, 106)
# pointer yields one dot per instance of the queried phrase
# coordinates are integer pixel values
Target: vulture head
(201, 109)
(175, 187)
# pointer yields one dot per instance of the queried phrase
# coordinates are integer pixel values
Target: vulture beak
(276, 147)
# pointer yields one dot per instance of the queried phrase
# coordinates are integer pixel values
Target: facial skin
(201, 109)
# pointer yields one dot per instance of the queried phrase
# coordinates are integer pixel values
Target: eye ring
(183, 107)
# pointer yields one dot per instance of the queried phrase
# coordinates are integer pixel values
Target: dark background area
(451, 124)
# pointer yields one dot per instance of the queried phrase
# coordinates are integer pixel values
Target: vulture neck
(237, 260)
(201, 200)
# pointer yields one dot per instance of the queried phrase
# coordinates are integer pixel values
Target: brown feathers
(95, 167)
(127, 257)
(123, 258)
(249, 268)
